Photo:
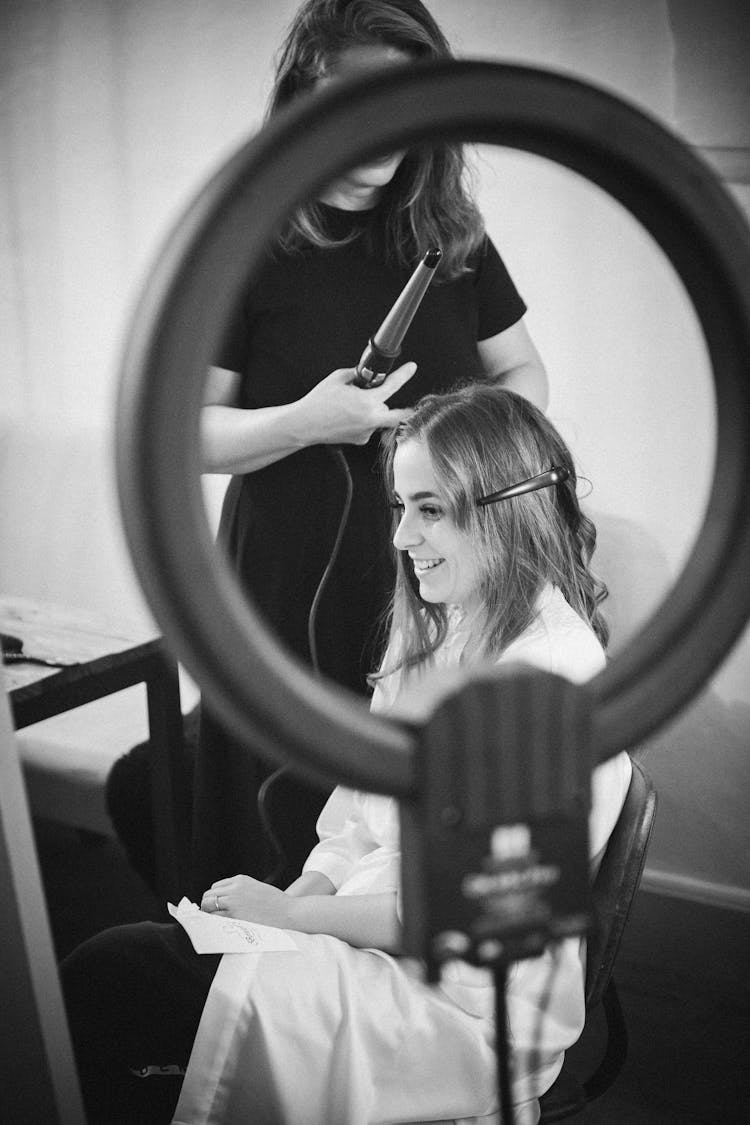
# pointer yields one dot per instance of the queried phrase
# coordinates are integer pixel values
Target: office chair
(613, 892)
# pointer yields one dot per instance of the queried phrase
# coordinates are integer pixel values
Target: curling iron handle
(374, 366)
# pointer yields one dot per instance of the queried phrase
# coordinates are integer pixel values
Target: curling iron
(384, 347)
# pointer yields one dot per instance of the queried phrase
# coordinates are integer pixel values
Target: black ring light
(265, 694)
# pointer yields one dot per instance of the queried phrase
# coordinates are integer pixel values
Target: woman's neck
(470, 623)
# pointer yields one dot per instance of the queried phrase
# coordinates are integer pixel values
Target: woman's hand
(240, 441)
(361, 920)
(335, 410)
(244, 897)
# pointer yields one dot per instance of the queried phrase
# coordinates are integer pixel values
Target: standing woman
(281, 394)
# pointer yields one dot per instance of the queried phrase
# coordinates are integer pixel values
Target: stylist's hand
(337, 411)
(248, 898)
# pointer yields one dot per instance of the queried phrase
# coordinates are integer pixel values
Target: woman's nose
(406, 534)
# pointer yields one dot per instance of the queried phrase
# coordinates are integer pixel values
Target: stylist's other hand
(337, 411)
(244, 897)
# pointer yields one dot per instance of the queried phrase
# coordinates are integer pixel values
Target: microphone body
(384, 348)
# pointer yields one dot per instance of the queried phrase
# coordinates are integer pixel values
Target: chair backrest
(617, 881)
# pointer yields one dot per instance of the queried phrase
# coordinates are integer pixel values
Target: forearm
(528, 379)
(360, 920)
(333, 412)
(242, 441)
(310, 906)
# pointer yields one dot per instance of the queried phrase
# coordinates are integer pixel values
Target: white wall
(113, 113)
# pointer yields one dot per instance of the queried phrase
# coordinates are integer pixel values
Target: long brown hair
(481, 438)
(429, 201)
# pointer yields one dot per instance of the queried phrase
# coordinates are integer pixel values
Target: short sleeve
(343, 837)
(499, 304)
(234, 347)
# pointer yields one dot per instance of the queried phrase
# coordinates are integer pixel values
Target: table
(98, 658)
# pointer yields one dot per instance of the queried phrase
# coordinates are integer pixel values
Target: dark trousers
(134, 997)
(228, 834)
(128, 797)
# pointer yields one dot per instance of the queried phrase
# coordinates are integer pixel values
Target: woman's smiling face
(443, 557)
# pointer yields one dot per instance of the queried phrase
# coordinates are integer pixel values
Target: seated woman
(343, 1031)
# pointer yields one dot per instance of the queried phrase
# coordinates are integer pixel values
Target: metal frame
(263, 693)
(151, 664)
(36, 1058)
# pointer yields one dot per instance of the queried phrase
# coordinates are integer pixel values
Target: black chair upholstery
(613, 892)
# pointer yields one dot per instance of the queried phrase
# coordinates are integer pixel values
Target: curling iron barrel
(384, 347)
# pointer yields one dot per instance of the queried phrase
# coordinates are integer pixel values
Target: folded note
(216, 933)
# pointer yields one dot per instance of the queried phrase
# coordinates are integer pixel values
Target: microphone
(384, 347)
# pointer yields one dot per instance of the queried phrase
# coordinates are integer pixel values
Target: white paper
(216, 933)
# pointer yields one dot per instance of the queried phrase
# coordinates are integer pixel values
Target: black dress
(304, 314)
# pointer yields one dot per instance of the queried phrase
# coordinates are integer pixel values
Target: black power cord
(312, 618)
(266, 789)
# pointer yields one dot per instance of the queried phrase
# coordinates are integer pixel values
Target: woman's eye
(428, 511)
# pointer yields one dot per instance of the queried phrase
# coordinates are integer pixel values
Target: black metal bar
(81, 683)
(502, 1051)
(169, 793)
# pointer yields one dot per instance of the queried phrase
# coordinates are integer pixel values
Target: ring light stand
(268, 698)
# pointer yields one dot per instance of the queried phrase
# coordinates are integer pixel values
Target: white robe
(334, 1035)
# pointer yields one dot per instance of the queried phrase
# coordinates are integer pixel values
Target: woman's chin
(428, 592)
(376, 173)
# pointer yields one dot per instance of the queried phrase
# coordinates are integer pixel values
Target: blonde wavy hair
(482, 438)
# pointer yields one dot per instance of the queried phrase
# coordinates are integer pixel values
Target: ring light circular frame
(265, 695)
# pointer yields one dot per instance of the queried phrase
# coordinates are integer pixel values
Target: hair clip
(556, 475)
